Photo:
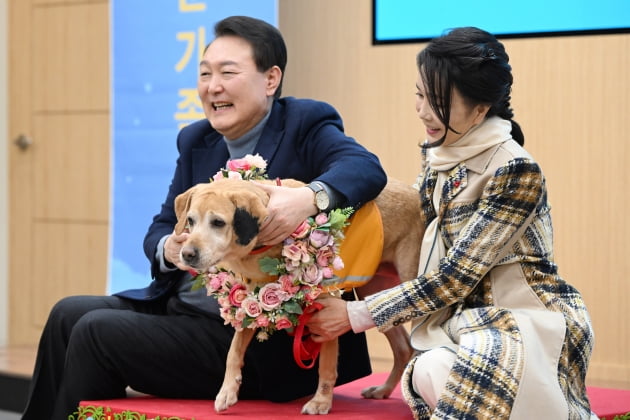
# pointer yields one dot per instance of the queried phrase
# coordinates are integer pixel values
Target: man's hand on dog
(172, 247)
(329, 322)
(288, 208)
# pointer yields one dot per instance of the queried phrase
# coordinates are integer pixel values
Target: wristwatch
(322, 200)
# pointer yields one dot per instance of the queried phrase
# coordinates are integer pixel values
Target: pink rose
(283, 323)
(338, 263)
(296, 252)
(328, 273)
(271, 296)
(319, 238)
(262, 321)
(218, 176)
(237, 294)
(321, 219)
(215, 283)
(251, 306)
(302, 230)
(286, 281)
(238, 165)
(227, 280)
(312, 293)
(324, 255)
(312, 274)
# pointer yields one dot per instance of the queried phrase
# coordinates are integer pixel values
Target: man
(166, 339)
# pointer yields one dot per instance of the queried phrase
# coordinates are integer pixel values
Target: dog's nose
(190, 255)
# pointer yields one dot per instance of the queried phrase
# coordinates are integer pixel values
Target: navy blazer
(302, 139)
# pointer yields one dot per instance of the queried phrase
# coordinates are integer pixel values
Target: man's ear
(274, 77)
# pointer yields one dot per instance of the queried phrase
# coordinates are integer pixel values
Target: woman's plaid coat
(483, 202)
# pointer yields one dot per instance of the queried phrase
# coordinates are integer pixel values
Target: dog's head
(223, 218)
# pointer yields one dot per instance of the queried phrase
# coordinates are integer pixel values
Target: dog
(223, 219)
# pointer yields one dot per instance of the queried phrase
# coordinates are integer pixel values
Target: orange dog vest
(361, 249)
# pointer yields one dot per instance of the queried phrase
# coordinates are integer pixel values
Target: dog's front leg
(321, 403)
(399, 340)
(228, 394)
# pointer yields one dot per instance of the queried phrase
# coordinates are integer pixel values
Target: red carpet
(607, 402)
(347, 404)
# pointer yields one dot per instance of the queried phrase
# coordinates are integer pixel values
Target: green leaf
(199, 281)
(292, 307)
(338, 217)
(248, 320)
(270, 265)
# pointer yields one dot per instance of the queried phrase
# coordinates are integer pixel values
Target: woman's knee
(430, 373)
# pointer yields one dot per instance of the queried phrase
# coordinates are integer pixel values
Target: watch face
(322, 200)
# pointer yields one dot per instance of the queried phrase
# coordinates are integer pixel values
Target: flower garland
(306, 267)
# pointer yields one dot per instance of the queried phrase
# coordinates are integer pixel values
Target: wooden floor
(17, 360)
(16, 368)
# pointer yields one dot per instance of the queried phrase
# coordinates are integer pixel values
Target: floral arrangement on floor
(306, 267)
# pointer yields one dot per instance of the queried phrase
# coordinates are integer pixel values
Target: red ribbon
(304, 348)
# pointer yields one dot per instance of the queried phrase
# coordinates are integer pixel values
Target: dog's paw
(317, 406)
(225, 399)
(377, 392)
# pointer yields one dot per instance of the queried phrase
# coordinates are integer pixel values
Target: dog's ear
(245, 225)
(250, 212)
(182, 205)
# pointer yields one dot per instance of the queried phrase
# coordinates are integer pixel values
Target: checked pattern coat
(499, 312)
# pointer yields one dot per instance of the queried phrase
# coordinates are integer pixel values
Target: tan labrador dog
(223, 218)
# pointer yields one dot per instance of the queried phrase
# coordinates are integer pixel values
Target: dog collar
(260, 249)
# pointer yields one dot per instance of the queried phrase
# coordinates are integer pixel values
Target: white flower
(256, 161)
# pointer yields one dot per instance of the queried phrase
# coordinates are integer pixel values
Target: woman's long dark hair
(475, 63)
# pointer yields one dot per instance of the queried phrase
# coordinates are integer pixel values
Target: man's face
(234, 94)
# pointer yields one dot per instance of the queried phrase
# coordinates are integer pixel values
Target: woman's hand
(288, 208)
(329, 322)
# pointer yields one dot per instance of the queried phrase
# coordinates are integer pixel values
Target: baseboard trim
(13, 392)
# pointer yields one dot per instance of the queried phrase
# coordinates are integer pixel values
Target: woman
(499, 333)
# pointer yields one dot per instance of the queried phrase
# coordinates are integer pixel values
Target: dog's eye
(217, 223)
(190, 222)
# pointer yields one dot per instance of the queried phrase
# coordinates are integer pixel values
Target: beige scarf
(490, 132)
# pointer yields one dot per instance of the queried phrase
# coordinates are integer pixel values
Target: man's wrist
(325, 198)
